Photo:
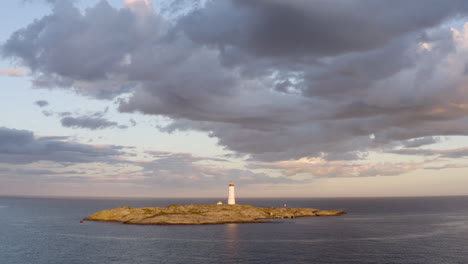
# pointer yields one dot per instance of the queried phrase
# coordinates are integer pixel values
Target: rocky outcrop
(203, 214)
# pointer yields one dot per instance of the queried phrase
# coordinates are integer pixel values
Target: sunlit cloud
(12, 72)
(318, 167)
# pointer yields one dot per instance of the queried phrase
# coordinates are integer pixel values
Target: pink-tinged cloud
(319, 167)
(447, 166)
(137, 2)
(13, 72)
(182, 169)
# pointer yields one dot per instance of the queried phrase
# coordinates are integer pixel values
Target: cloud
(320, 28)
(184, 169)
(272, 80)
(47, 113)
(447, 166)
(41, 176)
(91, 120)
(418, 142)
(37, 172)
(54, 35)
(181, 156)
(93, 123)
(318, 167)
(49, 154)
(22, 147)
(41, 103)
(12, 72)
(443, 153)
(47, 45)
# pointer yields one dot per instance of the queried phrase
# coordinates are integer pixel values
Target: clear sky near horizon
(176, 98)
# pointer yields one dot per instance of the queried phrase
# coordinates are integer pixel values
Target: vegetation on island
(203, 214)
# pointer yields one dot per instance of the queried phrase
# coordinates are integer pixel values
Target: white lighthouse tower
(231, 196)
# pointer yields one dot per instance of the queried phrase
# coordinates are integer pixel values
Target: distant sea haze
(429, 230)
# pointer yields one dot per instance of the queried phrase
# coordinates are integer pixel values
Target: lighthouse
(231, 196)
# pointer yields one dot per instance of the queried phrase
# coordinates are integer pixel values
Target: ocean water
(376, 230)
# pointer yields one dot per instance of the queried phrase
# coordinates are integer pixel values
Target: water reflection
(231, 242)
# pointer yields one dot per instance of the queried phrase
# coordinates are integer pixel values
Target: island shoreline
(204, 214)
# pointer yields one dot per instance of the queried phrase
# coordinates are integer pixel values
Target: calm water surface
(376, 230)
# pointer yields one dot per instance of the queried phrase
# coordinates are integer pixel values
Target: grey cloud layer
(279, 28)
(276, 80)
(22, 147)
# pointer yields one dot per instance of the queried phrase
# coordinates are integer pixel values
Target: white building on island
(231, 195)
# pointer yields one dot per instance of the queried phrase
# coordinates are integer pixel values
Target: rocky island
(203, 214)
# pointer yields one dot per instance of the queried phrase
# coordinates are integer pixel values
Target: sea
(421, 230)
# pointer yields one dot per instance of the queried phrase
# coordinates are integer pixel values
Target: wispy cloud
(92, 121)
(12, 72)
(42, 103)
(173, 169)
(88, 122)
(318, 167)
(447, 166)
(443, 153)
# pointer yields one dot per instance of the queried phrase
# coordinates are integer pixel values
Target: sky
(177, 98)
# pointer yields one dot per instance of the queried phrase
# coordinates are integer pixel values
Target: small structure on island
(219, 203)
(231, 196)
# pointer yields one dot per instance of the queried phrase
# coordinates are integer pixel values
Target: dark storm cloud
(274, 80)
(22, 147)
(93, 123)
(41, 103)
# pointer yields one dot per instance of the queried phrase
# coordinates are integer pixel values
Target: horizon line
(217, 197)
